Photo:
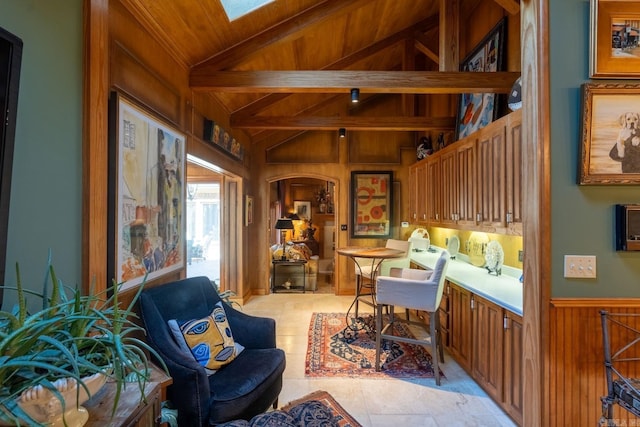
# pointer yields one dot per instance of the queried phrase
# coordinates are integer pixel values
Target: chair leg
(378, 335)
(275, 404)
(439, 337)
(358, 284)
(434, 345)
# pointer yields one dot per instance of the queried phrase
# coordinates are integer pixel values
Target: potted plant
(73, 339)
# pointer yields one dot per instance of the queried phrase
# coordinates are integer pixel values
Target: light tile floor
(459, 401)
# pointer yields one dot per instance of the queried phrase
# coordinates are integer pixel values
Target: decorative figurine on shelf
(441, 142)
(322, 197)
(424, 147)
(310, 231)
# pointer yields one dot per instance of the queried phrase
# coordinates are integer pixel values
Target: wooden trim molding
(595, 302)
(95, 144)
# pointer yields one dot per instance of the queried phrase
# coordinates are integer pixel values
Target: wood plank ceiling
(279, 66)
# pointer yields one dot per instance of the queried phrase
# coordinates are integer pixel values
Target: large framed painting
(610, 133)
(147, 194)
(371, 204)
(614, 48)
(476, 110)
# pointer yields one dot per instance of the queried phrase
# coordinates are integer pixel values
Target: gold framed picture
(610, 133)
(615, 39)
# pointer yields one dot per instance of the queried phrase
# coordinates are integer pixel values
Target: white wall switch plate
(580, 266)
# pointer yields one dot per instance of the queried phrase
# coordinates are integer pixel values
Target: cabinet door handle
(471, 303)
(505, 322)
(478, 217)
(509, 217)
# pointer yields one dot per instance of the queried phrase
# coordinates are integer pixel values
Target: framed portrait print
(371, 204)
(302, 209)
(610, 134)
(476, 110)
(614, 48)
(147, 194)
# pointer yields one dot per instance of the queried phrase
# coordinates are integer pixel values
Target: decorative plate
(421, 233)
(494, 256)
(453, 247)
(477, 244)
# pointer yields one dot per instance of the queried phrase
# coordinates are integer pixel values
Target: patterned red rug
(336, 350)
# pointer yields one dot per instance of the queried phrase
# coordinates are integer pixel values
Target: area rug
(340, 416)
(336, 350)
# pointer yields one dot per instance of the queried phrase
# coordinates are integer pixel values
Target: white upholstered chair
(365, 266)
(412, 289)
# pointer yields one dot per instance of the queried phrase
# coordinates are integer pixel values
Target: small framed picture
(303, 209)
(614, 49)
(248, 210)
(610, 133)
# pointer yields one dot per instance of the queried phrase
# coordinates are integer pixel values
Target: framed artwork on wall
(303, 209)
(146, 194)
(614, 48)
(371, 204)
(476, 110)
(610, 134)
(248, 210)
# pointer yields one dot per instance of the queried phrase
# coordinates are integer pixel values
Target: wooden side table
(131, 410)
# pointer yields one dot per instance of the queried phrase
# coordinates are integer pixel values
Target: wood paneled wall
(577, 374)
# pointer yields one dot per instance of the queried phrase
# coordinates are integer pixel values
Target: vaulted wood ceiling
(278, 66)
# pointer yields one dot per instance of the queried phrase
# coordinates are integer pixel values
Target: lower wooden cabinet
(488, 349)
(461, 326)
(513, 369)
(486, 340)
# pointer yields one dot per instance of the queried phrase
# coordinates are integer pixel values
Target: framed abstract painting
(371, 204)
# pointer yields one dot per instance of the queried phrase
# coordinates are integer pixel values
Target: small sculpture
(310, 231)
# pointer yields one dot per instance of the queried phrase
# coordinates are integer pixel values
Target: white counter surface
(504, 290)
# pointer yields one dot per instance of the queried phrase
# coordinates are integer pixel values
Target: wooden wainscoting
(576, 373)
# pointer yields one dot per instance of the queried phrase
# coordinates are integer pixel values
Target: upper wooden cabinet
(474, 183)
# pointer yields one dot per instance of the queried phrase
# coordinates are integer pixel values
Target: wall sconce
(355, 95)
(342, 132)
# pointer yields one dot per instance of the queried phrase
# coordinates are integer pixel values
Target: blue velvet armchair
(240, 390)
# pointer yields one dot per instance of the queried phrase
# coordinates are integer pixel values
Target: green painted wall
(582, 220)
(46, 205)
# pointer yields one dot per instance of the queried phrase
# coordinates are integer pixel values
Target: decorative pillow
(209, 339)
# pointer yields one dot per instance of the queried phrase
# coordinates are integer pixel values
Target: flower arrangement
(73, 337)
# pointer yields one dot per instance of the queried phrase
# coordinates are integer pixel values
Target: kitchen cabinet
(467, 171)
(461, 326)
(475, 183)
(513, 152)
(513, 369)
(488, 322)
(450, 188)
(433, 191)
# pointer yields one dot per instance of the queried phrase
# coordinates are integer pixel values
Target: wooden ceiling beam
(511, 6)
(341, 81)
(350, 123)
(449, 39)
(422, 43)
(347, 61)
(284, 31)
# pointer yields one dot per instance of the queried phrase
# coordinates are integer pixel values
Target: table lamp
(284, 224)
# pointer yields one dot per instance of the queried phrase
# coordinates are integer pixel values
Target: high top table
(375, 256)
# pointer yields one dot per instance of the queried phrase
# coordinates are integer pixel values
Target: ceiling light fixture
(342, 132)
(355, 95)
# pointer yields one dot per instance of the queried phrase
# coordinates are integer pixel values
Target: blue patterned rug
(337, 350)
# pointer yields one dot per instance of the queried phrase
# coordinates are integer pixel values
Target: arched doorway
(313, 200)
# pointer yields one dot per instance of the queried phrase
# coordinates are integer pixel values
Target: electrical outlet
(520, 256)
(343, 227)
(404, 224)
(580, 266)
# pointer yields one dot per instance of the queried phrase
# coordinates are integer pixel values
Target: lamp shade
(284, 224)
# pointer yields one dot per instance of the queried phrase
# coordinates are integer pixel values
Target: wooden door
(488, 327)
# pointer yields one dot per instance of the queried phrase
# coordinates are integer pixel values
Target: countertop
(504, 290)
